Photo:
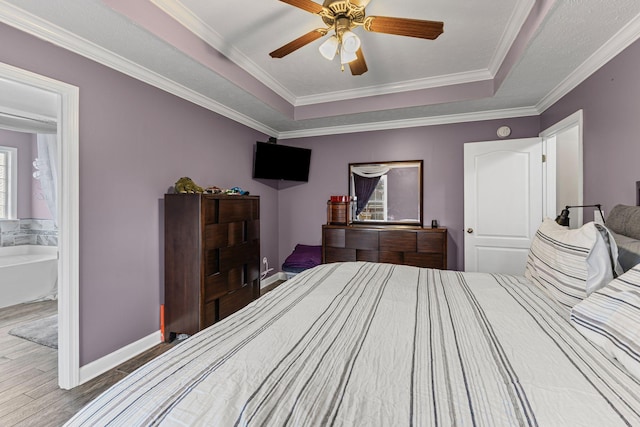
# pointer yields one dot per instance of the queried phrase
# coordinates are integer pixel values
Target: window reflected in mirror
(386, 192)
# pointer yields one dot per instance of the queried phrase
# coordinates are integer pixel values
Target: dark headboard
(637, 193)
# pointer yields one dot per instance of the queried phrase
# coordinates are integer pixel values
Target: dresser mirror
(386, 193)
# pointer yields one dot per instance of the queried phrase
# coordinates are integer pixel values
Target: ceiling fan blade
(404, 27)
(358, 66)
(307, 5)
(298, 43)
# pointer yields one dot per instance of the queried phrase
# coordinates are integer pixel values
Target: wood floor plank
(43, 389)
(29, 392)
(54, 417)
(17, 403)
(21, 385)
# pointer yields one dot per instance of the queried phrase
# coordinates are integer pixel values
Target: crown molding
(51, 33)
(515, 23)
(620, 41)
(193, 23)
(396, 87)
(408, 123)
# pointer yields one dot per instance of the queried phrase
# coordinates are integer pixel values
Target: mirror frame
(395, 163)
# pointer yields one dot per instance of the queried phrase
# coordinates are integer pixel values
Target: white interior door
(502, 203)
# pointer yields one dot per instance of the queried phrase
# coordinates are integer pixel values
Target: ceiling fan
(342, 16)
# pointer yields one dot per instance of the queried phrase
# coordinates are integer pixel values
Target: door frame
(573, 120)
(68, 217)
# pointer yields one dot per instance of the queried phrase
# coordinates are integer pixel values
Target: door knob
(469, 230)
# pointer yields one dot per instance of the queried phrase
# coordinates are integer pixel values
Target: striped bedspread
(363, 344)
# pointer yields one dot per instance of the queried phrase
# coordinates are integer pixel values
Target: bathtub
(28, 273)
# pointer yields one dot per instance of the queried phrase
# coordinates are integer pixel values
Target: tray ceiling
(495, 59)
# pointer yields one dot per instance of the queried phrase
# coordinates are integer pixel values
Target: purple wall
(303, 208)
(135, 142)
(24, 142)
(610, 99)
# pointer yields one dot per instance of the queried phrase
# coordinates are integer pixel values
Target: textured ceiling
(495, 59)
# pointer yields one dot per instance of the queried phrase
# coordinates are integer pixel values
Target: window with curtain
(365, 181)
(8, 182)
(375, 208)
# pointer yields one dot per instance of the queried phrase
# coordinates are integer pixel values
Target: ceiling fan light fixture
(346, 56)
(342, 16)
(350, 42)
(329, 48)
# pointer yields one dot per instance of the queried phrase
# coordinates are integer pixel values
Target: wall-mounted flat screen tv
(276, 161)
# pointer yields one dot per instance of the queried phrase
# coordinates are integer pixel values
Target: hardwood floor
(29, 393)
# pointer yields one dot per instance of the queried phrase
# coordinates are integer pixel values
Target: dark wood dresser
(421, 247)
(211, 258)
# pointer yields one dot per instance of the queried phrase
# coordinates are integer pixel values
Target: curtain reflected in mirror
(386, 192)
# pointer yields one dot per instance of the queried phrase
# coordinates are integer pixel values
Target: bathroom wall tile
(9, 225)
(47, 240)
(28, 232)
(25, 239)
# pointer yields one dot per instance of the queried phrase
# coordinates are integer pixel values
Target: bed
(371, 344)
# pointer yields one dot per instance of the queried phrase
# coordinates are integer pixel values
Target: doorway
(563, 168)
(510, 186)
(65, 100)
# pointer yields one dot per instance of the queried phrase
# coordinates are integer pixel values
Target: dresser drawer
(339, 254)
(210, 314)
(334, 238)
(391, 257)
(369, 256)
(362, 239)
(237, 256)
(238, 210)
(216, 236)
(425, 260)
(215, 285)
(421, 247)
(398, 241)
(431, 242)
(236, 300)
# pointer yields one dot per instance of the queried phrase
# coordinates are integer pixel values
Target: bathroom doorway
(26, 96)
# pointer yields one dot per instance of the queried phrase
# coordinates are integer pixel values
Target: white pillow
(571, 264)
(610, 317)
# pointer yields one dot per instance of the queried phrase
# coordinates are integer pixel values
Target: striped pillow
(610, 318)
(570, 264)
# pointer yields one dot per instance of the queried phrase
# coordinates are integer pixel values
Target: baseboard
(110, 361)
(272, 279)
